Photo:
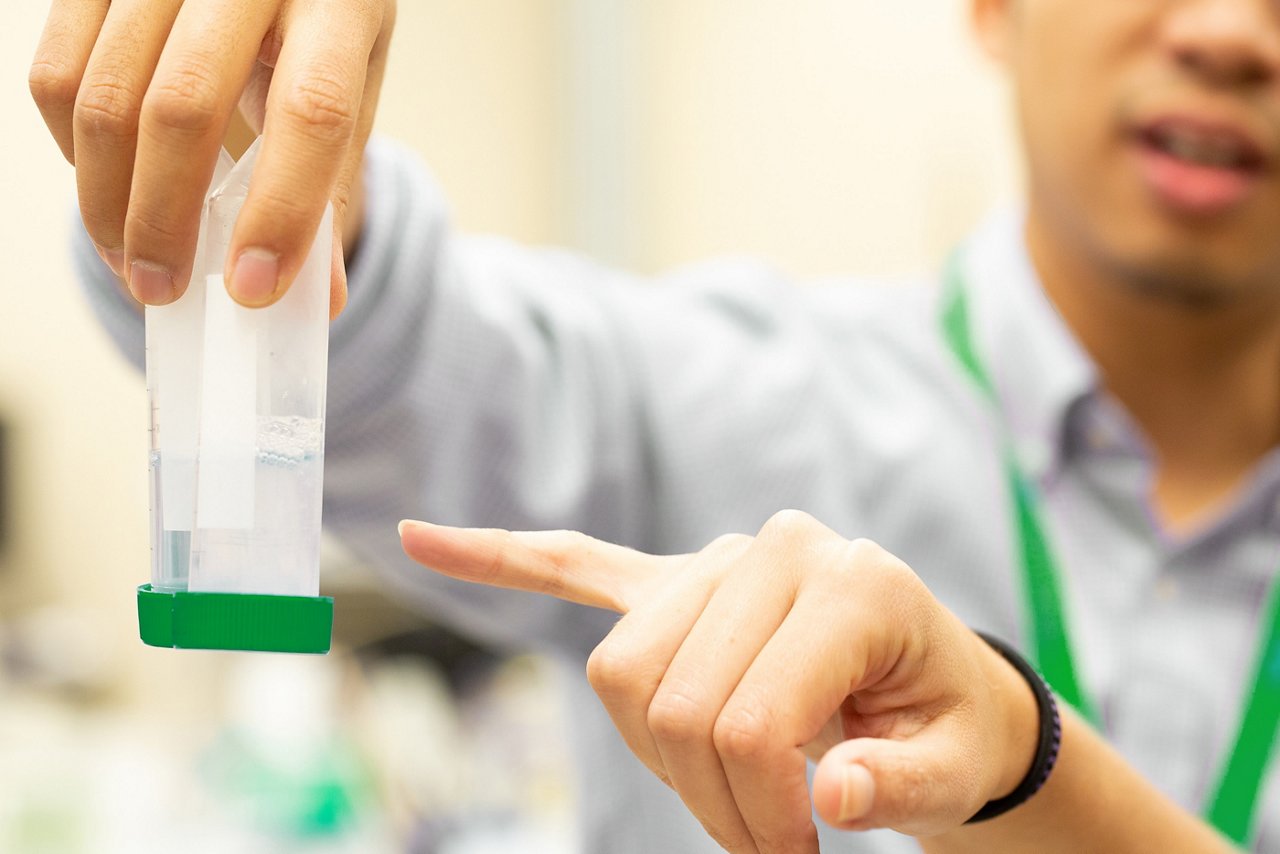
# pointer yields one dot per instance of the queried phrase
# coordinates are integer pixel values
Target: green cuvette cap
(239, 621)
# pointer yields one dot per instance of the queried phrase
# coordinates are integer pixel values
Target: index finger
(564, 564)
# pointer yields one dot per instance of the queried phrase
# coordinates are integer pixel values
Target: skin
(734, 665)
(1181, 313)
(140, 94)
(1093, 802)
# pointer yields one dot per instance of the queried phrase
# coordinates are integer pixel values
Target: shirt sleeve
(476, 382)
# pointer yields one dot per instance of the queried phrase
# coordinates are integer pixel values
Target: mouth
(1205, 145)
(1199, 168)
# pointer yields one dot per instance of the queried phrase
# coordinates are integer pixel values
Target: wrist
(1019, 718)
(1048, 736)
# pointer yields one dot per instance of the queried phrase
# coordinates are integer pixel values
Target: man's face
(1152, 130)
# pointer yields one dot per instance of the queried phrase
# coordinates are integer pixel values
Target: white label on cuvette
(228, 414)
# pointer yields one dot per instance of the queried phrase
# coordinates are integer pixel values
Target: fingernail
(255, 277)
(150, 283)
(404, 524)
(857, 791)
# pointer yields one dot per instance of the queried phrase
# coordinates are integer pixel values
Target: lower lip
(1190, 188)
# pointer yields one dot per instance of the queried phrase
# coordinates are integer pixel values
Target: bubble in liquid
(289, 440)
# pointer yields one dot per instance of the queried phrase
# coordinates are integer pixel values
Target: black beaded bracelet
(1046, 747)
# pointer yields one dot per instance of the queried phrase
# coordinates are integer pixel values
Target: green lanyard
(1234, 803)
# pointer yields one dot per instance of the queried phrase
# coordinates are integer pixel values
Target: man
(1109, 357)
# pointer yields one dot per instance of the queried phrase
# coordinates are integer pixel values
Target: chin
(1184, 285)
(1188, 275)
(1197, 264)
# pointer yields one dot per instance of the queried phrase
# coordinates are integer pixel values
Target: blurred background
(826, 137)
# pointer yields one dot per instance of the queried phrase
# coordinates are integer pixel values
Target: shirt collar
(1039, 370)
(1049, 389)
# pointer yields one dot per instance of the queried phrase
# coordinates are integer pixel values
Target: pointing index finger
(564, 564)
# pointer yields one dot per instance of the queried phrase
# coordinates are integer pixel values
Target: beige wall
(827, 135)
(76, 411)
(850, 136)
(474, 86)
(846, 136)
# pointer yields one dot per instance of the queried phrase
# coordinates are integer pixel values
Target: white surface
(228, 416)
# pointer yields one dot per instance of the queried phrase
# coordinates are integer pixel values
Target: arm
(732, 665)
(1093, 801)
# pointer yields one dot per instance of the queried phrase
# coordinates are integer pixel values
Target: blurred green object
(47, 826)
(318, 795)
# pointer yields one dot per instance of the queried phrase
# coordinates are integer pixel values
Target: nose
(1226, 43)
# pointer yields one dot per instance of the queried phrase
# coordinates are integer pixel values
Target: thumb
(923, 786)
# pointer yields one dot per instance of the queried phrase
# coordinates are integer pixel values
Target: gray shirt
(473, 381)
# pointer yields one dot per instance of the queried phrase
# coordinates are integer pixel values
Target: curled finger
(106, 115)
(312, 116)
(205, 65)
(62, 55)
(628, 666)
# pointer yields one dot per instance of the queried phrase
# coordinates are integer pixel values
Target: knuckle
(611, 670)
(186, 98)
(107, 106)
(869, 562)
(742, 733)
(155, 235)
(291, 214)
(568, 549)
(321, 105)
(865, 550)
(677, 718)
(730, 544)
(52, 84)
(492, 568)
(565, 553)
(862, 555)
(790, 525)
(869, 556)
(148, 227)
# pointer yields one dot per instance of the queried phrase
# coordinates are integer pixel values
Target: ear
(993, 24)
